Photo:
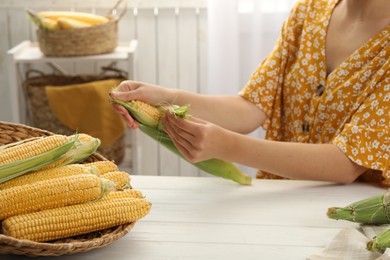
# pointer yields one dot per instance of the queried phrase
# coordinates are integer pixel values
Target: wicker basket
(79, 42)
(9, 133)
(42, 117)
(92, 40)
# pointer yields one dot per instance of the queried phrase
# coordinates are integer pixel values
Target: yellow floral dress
(348, 108)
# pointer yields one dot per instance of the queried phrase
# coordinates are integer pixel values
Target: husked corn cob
(120, 178)
(68, 23)
(104, 166)
(89, 18)
(49, 24)
(52, 193)
(126, 193)
(76, 219)
(84, 146)
(40, 175)
(31, 149)
(373, 210)
(381, 242)
(29, 156)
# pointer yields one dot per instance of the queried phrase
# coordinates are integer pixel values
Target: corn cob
(33, 148)
(57, 172)
(68, 23)
(373, 210)
(84, 146)
(76, 219)
(381, 242)
(52, 193)
(49, 24)
(89, 18)
(104, 166)
(120, 178)
(29, 156)
(126, 193)
(150, 124)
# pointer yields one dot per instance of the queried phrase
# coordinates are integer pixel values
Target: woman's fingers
(125, 115)
(177, 133)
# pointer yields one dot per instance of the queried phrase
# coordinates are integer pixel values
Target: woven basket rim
(11, 245)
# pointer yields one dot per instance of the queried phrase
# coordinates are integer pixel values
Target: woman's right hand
(133, 90)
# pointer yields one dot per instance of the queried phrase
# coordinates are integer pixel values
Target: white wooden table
(212, 218)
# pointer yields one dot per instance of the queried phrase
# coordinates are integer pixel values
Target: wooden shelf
(28, 52)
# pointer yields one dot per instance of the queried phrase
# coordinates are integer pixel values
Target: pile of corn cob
(370, 211)
(149, 119)
(47, 194)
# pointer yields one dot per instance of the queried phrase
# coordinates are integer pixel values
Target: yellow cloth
(86, 108)
(350, 107)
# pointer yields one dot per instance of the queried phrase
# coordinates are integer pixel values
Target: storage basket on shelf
(10, 133)
(98, 39)
(42, 116)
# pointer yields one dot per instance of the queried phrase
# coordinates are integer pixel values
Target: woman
(322, 95)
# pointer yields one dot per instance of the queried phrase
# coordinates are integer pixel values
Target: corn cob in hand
(149, 119)
(373, 210)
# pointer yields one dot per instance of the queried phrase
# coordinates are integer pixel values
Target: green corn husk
(215, 167)
(80, 151)
(12, 170)
(373, 210)
(380, 242)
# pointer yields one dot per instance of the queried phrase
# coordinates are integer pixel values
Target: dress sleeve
(366, 138)
(266, 82)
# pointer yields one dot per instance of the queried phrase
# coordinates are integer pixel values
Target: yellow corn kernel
(151, 111)
(104, 166)
(52, 193)
(126, 193)
(40, 175)
(76, 219)
(84, 137)
(32, 148)
(120, 178)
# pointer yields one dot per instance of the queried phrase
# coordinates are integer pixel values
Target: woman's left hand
(196, 139)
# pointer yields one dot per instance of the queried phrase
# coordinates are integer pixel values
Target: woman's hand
(196, 139)
(133, 90)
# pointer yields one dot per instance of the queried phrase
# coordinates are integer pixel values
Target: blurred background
(205, 46)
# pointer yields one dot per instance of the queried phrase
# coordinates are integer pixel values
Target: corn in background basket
(92, 40)
(10, 133)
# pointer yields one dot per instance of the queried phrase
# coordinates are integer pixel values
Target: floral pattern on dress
(348, 108)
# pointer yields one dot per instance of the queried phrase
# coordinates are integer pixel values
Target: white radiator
(172, 51)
